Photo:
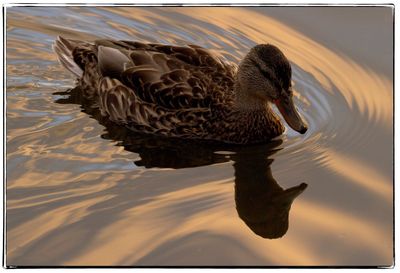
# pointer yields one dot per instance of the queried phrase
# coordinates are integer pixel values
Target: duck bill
(290, 114)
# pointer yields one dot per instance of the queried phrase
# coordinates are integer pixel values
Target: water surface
(83, 191)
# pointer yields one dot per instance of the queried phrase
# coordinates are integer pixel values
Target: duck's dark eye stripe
(268, 76)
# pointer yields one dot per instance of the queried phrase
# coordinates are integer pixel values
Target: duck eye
(269, 76)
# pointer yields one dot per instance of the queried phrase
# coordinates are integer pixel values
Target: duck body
(172, 91)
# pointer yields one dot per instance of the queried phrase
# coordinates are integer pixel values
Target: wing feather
(157, 88)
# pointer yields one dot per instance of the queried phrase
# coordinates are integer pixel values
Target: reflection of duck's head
(260, 202)
(265, 214)
(264, 75)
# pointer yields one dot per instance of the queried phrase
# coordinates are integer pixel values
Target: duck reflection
(260, 202)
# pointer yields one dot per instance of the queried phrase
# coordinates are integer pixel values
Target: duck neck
(248, 103)
(256, 115)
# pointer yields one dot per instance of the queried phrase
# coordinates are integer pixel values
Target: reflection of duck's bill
(290, 114)
(293, 192)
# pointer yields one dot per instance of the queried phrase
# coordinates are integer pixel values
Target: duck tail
(63, 48)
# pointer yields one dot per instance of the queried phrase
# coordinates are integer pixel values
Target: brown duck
(185, 91)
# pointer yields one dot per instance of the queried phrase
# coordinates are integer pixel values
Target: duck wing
(154, 88)
(173, 77)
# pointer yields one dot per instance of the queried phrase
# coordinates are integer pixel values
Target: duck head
(264, 75)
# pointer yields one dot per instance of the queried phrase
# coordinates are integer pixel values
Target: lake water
(83, 191)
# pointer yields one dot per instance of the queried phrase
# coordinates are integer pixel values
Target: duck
(186, 92)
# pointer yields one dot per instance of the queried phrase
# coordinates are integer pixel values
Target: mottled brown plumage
(182, 91)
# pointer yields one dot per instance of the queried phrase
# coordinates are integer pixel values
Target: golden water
(81, 191)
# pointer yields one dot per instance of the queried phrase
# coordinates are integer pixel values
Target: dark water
(83, 191)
